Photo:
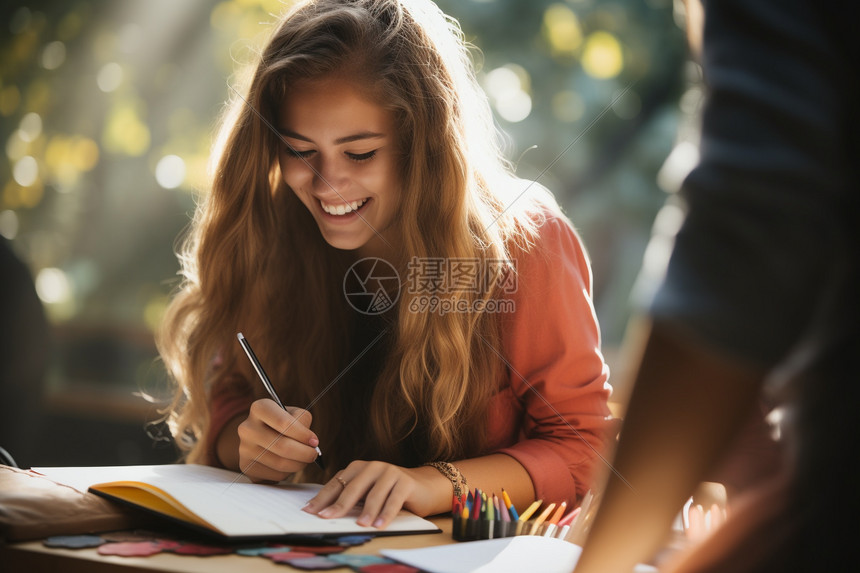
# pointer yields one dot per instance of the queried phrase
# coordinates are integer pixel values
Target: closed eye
(303, 154)
(360, 157)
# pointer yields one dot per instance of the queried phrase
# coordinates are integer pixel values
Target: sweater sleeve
(230, 396)
(557, 380)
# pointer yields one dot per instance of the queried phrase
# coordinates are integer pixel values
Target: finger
(356, 488)
(258, 471)
(378, 496)
(254, 434)
(396, 498)
(303, 416)
(330, 492)
(255, 454)
(283, 422)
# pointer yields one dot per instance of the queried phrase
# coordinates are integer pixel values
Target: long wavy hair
(254, 259)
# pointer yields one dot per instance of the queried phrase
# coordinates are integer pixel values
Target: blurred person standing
(758, 295)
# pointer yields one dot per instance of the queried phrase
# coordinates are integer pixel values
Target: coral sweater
(551, 412)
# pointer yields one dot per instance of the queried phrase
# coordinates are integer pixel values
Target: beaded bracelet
(450, 471)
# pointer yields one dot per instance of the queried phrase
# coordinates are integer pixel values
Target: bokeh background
(107, 112)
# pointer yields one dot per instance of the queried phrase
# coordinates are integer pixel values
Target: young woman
(363, 136)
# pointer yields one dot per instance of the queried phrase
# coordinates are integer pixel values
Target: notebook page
(81, 478)
(229, 502)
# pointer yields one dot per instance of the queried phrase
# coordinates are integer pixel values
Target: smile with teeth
(343, 208)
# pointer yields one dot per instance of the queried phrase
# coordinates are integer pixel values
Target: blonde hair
(256, 262)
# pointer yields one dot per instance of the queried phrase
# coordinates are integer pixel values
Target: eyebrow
(346, 139)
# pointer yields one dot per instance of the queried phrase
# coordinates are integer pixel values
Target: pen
(490, 517)
(567, 519)
(553, 521)
(541, 518)
(246, 346)
(521, 522)
(514, 515)
(562, 533)
(565, 522)
(506, 498)
(531, 509)
(503, 525)
(504, 513)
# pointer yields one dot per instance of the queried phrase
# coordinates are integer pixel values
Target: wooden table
(33, 557)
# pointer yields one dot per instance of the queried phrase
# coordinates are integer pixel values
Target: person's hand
(385, 489)
(274, 443)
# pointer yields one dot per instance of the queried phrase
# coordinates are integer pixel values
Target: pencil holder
(486, 529)
(467, 529)
(464, 529)
(481, 516)
(458, 528)
(471, 529)
(506, 528)
(522, 527)
(532, 527)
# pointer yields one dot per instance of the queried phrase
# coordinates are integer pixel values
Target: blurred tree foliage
(107, 109)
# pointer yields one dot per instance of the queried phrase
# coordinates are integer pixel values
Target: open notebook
(220, 501)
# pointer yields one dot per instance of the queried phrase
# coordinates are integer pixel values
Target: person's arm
(557, 373)
(226, 450)
(386, 488)
(229, 401)
(687, 404)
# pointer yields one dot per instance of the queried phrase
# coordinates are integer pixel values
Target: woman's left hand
(385, 489)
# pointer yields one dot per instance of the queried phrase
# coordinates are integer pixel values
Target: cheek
(284, 164)
(385, 180)
(293, 174)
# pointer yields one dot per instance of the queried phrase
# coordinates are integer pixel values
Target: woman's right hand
(274, 443)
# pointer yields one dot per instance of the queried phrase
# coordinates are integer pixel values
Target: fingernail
(364, 520)
(308, 507)
(327, 512)
(378, 523)
(313, 442)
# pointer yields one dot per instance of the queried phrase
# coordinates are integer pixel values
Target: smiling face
(342, 163)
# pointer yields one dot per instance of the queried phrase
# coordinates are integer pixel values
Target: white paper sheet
(506, 555)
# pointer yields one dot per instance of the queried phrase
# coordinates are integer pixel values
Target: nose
(328, 177)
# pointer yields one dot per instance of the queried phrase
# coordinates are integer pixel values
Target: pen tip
(239, 336)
